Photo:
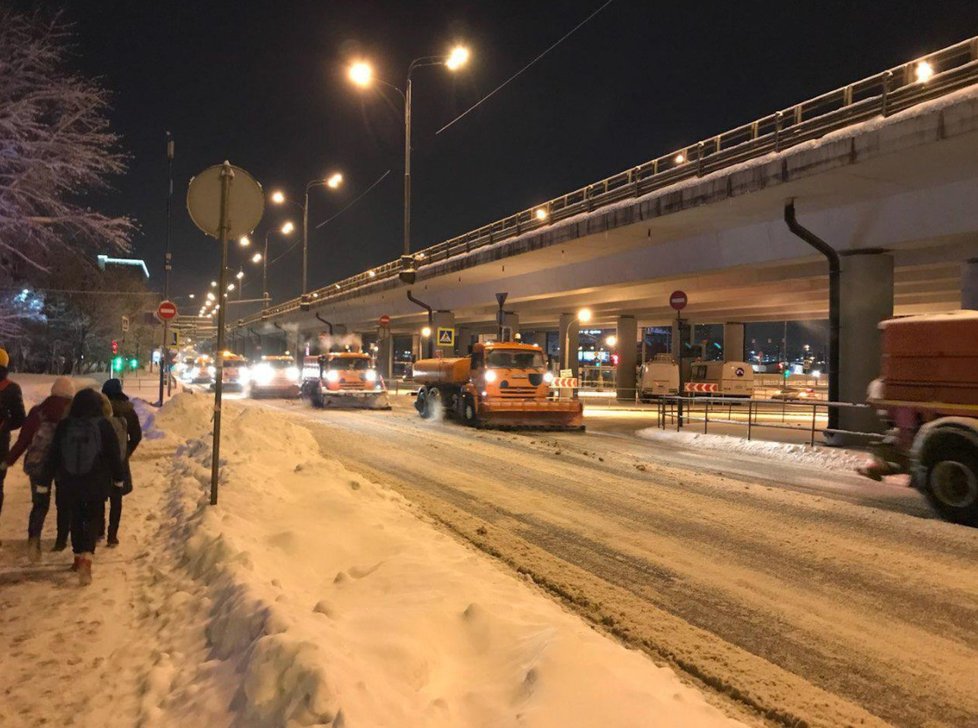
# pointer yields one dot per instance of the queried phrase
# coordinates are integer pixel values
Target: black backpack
(81, 445)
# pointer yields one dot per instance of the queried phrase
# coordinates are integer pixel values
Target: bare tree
(55, 147)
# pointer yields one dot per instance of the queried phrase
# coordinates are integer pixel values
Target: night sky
(263, 84)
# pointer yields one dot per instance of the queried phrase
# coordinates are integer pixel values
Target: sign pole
(227, 175)
(679, 333)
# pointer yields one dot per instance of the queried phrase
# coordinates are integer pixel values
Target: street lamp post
(361, 74)
(286, 229)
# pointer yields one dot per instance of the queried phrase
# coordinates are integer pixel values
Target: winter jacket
(109, 467)
(11, 413)
(122, 407)
(52, 409)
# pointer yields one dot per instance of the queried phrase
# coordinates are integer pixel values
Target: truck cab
(344, 378)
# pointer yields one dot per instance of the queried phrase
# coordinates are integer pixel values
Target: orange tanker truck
(501, 384)
(929, 392)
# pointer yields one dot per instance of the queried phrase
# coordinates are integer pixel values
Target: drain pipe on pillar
(431, 320)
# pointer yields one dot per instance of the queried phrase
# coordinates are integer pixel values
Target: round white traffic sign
(166, 310)
(246, 201)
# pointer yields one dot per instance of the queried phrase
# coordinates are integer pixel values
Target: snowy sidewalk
(309, 596)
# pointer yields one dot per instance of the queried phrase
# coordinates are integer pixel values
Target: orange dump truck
(502, 384)
(929, 390)
(344, 379)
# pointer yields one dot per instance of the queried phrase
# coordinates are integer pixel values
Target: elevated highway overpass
(884, 170)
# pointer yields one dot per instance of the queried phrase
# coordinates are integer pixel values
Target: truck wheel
(421, 403)
(952, 485)
(468, 411)
(432, 403)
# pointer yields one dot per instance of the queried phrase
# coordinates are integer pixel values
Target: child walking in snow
(86, 460)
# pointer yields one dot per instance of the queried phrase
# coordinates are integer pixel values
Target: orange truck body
(344, 379)
(929, 391)
(502, 384)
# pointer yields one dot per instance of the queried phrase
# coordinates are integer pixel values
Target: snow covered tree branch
(55, 147)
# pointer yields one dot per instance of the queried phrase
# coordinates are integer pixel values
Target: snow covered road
(802, 592)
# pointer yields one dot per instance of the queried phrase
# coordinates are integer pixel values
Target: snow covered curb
(326, 601)
(831, 459)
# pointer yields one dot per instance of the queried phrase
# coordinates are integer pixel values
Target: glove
(118, 484)
(3, 465)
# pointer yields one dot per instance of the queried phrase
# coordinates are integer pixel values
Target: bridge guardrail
(882, 94)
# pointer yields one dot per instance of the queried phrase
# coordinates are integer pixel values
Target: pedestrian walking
(34, 442)
(11, 414)
(87, 463)
(127, 427)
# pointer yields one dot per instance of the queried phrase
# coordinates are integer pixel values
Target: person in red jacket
(36, 435)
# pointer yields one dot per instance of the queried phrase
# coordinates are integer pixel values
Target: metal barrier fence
(688, 412)
(902, 87)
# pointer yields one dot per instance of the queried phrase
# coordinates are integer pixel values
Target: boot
(34, 549)
(60, 545)
(74, 566)
(84, 569)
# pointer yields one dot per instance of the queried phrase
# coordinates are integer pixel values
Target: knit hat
(112, 387)
(63, 387)
(4, 358)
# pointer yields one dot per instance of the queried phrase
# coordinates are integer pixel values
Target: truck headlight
(211, 370)
(263, 374)
(332, 376)
(244, 375)
(292, 373)
(548, 377)
(490, 375)
(371, 375)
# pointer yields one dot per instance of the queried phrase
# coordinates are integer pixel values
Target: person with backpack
(85, 459)
(130, 433)
(35, 439)
(12, 414)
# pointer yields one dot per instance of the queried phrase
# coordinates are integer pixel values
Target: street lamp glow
(540, 214)
(924, 71)
(278, 197)
(334, 180)
(584, 315)
(239, 275)
(611, 341)
(256, 258)
(458, 57)
(287, 228)
(244, 241)
(210, 297)
(372, 274)
(426, 331)
(679, 158)
(361, 74)
(213, 284)
(192, 296)
(230, 288)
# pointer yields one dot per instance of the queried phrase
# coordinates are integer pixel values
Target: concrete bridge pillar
(511, 325)
(865, 299)
(385, 354)
(463, 340)
(969, 284)
(568, 341)
(443, 320)
(626, 342)
(733, 342)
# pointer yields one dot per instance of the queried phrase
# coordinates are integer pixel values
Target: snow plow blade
(565, 415)
(355, 400)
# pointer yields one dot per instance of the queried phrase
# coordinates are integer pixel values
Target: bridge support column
(511, 326)
(969, 284)
(626, 343)
(865, 299)
(463, 339)
(385, 355)
(733, 342)
(443, 320)
(569, 341)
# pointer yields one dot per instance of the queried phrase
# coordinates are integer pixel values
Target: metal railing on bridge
(896, 89)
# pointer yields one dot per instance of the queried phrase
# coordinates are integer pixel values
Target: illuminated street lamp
(361, 75)
(244, 241)
(257, 258)
(584, 315)
(611, 341)
(286, 229)
(924, 71)
(426, 332)
(239, 275)
(213, 284)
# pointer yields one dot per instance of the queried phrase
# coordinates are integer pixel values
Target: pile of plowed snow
(324, 599)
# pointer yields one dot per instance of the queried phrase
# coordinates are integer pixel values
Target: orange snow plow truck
(929, 391)
(502, 384)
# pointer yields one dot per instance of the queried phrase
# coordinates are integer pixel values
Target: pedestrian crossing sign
(446, 336)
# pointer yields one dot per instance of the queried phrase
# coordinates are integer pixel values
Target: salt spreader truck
(501, 384)
(929, 391)
(344, 379)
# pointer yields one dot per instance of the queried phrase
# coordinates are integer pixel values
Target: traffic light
(134, 364)
(115, 346)
(117, 364)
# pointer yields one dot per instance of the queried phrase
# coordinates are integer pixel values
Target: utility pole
(167, 266)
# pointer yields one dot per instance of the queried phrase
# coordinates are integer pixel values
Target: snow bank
(327, 601)
(834, 459)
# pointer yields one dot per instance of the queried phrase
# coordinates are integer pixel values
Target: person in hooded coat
(35, 439)
(12, 414)
(123, 410)
(85, 458)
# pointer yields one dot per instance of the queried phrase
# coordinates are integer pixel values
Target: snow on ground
(308, 596)
(832, 459)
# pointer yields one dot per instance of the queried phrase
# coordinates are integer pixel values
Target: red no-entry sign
(678, 300)
(166, 310)
(384, 320)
